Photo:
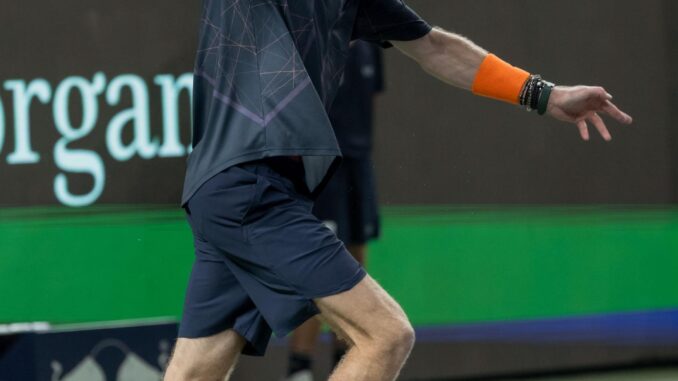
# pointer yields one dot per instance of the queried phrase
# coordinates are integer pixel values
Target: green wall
(445, 264)
(449, 264)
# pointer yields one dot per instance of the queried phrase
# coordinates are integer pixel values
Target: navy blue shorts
(261, 255)
(348, 204)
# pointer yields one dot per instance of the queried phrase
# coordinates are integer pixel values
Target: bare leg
(376, 329)
(303, 340)
(210, 358)
(359, 252)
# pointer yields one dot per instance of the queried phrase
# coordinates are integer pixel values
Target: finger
(610, 109)
(602, 93)
(600, 126)
(583, 130)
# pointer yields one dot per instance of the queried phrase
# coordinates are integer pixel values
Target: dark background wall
(440, 145)
(435, 144)
(670, 17)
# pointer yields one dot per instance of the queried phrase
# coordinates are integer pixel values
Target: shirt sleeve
(382, 21)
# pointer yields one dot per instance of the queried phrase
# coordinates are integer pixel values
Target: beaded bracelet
(529, 90)
(535, 94)
(523, 92)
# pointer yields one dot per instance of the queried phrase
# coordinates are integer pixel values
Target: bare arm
(455, 60)
(447, 56)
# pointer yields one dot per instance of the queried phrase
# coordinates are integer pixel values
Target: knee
(396, 340)
(403, 339)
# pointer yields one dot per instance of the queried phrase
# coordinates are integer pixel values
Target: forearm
(459, 62)
(449, 57)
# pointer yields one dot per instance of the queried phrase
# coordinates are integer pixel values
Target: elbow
(430, 51)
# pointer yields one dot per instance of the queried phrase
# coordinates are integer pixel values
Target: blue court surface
(662, 374)
(633, 328)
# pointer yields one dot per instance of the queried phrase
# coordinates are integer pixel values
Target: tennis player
(266, 74)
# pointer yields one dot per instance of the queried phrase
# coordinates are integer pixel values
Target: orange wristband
(499, 80)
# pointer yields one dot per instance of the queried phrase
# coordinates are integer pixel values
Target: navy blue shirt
(352, 111)
(266, 73)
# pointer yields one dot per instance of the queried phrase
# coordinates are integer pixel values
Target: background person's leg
(376, 329)
(304, 338)
(302, 346)
(210, 358)
(359, 252)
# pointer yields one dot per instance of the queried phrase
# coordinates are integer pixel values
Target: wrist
(556, 94)
(499, 80)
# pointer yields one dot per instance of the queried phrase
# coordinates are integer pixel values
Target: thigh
(363, 312)
(278, 253)
(216, 301)
(304, 254)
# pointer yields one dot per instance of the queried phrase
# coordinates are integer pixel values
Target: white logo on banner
(134, 122)
(133, 368)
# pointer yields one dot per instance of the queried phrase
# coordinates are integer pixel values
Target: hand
(580, 104)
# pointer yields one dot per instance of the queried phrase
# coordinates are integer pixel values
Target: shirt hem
(252, 156)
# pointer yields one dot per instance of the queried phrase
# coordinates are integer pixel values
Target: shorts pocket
(221, 206)
(230, 206)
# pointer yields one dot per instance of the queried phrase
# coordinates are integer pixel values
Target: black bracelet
(534, 102)
(543, 102)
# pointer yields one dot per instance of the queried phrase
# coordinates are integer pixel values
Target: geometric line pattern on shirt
(225, 99)
(251, 57)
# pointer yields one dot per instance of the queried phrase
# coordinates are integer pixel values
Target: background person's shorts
(349, 202)
(261, 256)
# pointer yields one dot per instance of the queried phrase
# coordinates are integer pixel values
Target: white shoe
(304, 375)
